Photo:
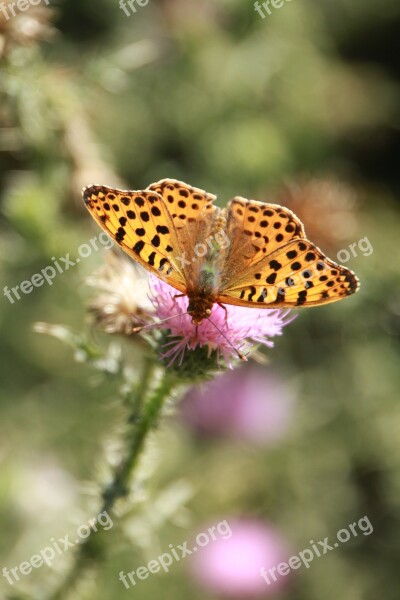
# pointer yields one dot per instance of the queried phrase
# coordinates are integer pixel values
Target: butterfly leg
(178, 296)
(226, 312)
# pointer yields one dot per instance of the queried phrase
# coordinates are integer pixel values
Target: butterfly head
(199, 308)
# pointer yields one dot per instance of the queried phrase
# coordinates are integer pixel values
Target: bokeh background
(301, 107)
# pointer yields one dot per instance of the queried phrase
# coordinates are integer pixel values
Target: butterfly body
(250, 254)
(204, 293)
(200, 305)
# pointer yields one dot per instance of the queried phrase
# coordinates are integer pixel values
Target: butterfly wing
(255, 230)
(277, 267)
(140, 223)
(194, 216)
(188, 206)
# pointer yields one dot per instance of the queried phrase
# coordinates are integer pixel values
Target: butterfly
(249, 254)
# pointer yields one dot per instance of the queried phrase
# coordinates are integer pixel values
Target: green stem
(148, 419)
(144, 417)
(137, 397)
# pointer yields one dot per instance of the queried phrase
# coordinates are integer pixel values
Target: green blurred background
(301, 107)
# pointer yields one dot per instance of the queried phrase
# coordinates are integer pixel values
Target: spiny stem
(144, 422)
(144, 417)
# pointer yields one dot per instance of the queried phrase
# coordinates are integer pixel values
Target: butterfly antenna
(240, 355)
(151, 325)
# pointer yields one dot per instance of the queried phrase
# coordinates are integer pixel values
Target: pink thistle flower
(250, 404)
(232, 567)
(225, 333)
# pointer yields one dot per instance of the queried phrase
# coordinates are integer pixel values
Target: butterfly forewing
(295, 274)
(141, 224)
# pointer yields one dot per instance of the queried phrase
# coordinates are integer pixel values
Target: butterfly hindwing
(187, 205)
(255, 230)
(141, 225)
(193, 214)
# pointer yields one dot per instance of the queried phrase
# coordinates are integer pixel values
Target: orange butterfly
(248, 254)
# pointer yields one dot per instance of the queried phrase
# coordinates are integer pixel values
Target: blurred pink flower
(231, 568)
(243, 326)
(250, 404)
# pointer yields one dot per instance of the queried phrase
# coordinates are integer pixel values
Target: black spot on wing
(252, 293)
(138, 247)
